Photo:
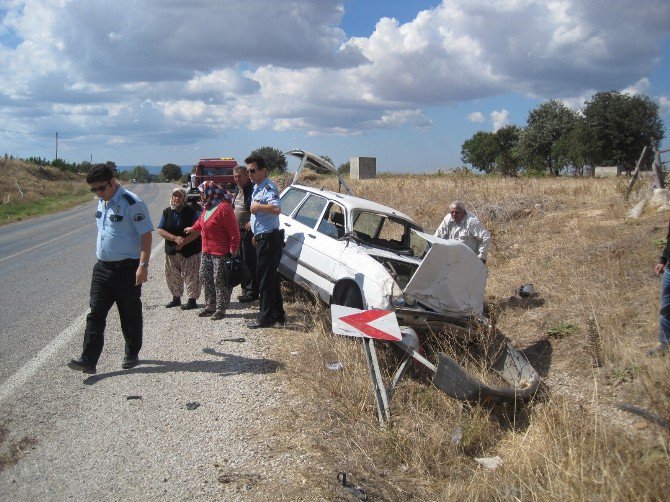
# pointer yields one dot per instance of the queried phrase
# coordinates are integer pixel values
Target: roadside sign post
(370, 325)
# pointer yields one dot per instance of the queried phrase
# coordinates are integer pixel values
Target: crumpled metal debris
(490, 463)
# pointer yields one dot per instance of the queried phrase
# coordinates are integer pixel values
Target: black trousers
(268, 255)
(109, 286)
(248, 253)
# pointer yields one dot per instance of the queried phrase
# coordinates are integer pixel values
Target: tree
(493, 151)
(480, 151)
(571, 150)
(548, 126)
(275, 160)
(620, 125)
(507, 160)
(171, 172)
(140, 173)
(344, 168)
(84, 167)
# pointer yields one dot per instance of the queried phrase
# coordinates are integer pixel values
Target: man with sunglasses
(268, 240)
(463, 226)
(123, 248)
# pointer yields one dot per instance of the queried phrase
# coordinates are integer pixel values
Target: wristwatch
(144, 264)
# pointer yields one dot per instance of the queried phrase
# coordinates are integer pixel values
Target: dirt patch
(11, 452)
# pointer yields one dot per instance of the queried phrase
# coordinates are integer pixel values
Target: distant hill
(154, 169)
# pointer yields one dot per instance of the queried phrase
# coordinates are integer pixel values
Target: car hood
(450, 280)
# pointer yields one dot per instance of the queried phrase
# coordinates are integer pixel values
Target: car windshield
(387, 232)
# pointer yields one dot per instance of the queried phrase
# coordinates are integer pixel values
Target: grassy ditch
(27, 190)
(585, 330)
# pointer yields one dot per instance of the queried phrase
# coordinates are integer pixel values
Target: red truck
(219, 170)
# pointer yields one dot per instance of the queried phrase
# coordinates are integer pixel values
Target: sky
(150, 82)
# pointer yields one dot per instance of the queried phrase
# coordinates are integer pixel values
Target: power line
(24, 132)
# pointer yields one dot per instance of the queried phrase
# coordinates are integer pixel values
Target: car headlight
(401, 300)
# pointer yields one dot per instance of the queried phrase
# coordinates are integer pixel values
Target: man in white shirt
(465, 227)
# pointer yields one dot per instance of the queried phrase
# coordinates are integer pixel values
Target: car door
(319, 224)
(294, 236)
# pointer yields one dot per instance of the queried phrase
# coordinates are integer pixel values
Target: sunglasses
(100, 188)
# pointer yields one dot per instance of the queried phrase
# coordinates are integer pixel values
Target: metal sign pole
(378, 387)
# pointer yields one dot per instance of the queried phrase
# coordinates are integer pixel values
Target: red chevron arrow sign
(378, 324)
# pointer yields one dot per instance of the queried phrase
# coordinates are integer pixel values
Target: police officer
(269, 241)
(123, 248)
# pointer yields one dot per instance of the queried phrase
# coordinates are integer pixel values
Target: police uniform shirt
(266, 192)
(121, 223)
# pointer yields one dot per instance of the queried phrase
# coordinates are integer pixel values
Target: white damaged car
(354, 252)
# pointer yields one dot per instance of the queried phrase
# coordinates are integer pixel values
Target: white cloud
(476, 117)
(195, 68)
(664, 102)
(499, 118)
(642, 86)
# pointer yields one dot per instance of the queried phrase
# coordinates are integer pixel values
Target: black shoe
(247, 298)
(176, 301)
(218, 315)
(190, 304)
(205, 313)
(82, 365)
(129, 362)
(258, 324)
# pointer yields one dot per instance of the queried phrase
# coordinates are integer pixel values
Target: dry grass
(27, 190)
(585, 332)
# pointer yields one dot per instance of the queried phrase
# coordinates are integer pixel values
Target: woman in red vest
(220, 235)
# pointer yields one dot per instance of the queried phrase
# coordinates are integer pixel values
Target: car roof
(352, 203)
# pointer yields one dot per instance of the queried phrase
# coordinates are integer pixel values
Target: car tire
(351, 297)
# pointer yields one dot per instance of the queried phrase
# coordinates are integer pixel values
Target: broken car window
(332, 223)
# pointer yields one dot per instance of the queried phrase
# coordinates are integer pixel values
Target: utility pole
(56, 145)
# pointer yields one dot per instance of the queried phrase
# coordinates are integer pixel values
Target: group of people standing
(244, 224)
(198, 247)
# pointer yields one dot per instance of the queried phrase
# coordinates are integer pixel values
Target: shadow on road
(229, 365)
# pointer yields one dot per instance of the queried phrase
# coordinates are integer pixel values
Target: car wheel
(351, 297)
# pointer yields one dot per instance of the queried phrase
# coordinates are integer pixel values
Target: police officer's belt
(115, 265)
(266, 235)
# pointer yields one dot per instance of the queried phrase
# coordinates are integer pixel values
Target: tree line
(612, 128)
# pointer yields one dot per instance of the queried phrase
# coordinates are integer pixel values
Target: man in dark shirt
(242, 207)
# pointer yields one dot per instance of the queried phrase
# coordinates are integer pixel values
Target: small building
(609, 171)
(363, 168)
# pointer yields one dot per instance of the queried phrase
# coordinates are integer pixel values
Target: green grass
(19, 210)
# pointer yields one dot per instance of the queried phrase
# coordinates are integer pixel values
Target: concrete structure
(363, 168)
(609, 171)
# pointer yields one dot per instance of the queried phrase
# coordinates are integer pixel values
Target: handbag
(237, 271)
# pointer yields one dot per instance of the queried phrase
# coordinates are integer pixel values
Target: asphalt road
(197, 419)
(45, 269)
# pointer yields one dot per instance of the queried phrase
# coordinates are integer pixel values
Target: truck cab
(218, 170)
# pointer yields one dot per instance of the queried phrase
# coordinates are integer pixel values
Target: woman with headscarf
(220, 237)
(182, 252)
